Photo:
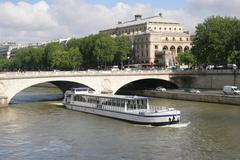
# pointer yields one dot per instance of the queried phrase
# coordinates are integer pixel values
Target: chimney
(138, 17)
(119, 22)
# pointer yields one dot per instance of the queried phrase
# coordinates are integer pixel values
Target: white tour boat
(135, 109)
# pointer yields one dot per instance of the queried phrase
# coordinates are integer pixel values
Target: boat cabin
(80, 90)
(82, 96)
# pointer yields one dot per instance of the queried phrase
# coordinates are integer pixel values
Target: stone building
(153, 38)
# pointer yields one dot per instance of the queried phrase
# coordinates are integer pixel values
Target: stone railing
(33, 74)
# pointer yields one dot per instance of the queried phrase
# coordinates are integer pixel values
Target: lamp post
(128, 61)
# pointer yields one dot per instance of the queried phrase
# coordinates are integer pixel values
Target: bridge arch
(63, 85)
(147, 83)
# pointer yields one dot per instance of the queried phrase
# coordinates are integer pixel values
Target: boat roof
(93, 94)
(125, 97)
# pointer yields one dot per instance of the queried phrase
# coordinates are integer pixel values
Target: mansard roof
(154, 19)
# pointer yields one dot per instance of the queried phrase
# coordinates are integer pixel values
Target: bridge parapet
(12, 75)
(29, 74)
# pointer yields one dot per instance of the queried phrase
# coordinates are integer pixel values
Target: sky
(43, 20)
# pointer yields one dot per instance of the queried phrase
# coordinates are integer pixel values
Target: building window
(165, 28)
(180, 29)
(175, 29)
(166, 38)
(180, 38)
(160, 28)
(155, 28)
(146, 45)
(187, 39)
(156, 46)
(170, 29)
(173, 39)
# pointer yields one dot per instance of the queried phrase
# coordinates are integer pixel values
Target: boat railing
(155, 108)
(112, 108)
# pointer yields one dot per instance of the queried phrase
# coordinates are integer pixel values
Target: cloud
(40, 21)
(24, 15)
(214, 7)
(22, 20)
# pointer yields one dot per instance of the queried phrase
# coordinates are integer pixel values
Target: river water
(46, 130)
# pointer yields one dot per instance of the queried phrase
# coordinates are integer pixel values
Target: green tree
(104, 49)
(29, 59)
(4, 64)
(74, 43)
(213, 42)
(75, 58)
(86, 49)
(123, 49)
(49, 53)
(60, 60)
(185, 58)
(161, 61)
(234, 43)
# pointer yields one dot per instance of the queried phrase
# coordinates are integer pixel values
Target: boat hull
(159, 120)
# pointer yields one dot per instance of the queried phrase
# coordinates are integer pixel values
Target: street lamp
(128, 61)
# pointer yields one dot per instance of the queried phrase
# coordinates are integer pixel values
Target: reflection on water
(45, 130)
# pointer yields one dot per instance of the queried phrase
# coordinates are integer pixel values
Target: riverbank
(210, 97)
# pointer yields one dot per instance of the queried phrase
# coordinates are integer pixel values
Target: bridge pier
(3, 101)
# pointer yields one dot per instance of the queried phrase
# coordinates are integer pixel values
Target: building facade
(8, 49)
(153, 38)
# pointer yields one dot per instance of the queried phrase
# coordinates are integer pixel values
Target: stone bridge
(12, 83)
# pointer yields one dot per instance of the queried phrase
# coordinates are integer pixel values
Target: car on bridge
(114, 68)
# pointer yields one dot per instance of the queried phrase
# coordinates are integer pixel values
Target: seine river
(46, 130)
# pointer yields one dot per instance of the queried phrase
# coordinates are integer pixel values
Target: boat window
(131, 105)
(75, 98)
(114, 102)
(118, 102)
(92, 100)
(109, 102)
(139, 104)
(122, 103)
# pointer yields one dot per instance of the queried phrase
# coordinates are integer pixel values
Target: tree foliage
(185, 58)
(104, 49)
(123, 49)
(87, 52)
(217, 41)
(29, 59)
(4, 63)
